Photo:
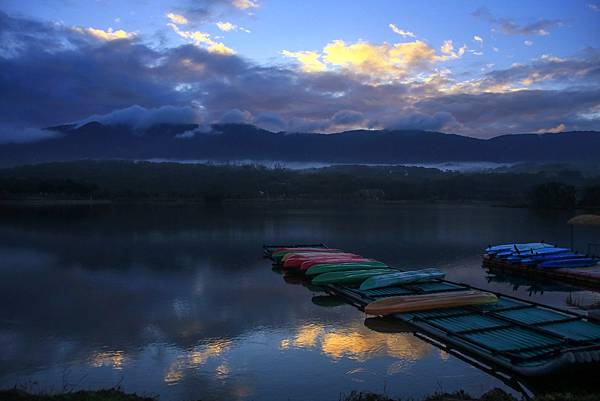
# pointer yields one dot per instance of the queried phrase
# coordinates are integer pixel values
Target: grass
(99, 395)
(118, 395)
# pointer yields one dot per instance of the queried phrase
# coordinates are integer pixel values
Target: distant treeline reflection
(125, 180)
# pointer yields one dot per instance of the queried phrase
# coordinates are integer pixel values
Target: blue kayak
(534, 260)
(543, 251)
(580, 262)
(516, 247)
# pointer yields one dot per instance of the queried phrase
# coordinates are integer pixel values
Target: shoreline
(117, 394)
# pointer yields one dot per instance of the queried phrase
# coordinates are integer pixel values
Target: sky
(477, 68)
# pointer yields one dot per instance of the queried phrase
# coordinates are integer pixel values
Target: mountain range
(229, 142)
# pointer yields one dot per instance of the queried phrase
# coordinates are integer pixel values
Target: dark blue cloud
(52, 74)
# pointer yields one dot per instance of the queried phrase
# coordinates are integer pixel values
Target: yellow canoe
(413, 303)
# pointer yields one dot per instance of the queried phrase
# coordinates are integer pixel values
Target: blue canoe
(544, 251)
(580, 262)
(516, 247)
(534, 260)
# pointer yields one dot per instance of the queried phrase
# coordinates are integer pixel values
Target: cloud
(226, 26)
(449, 52)
(177, 19)
(478, 38)
(528, 43)
(245, 4)
(347, 117)
(554, 130)
(270, 121)
(540, 27)
(489, 114)
(377, 62)
(203, 39)
(236, 116)
(106, 35)
(421, 121)
(141, 118)
(401, 32)
(309, 60)
(55, 75)
(594, 7)
(16, 134)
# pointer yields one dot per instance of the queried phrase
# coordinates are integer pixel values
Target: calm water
(176, 301)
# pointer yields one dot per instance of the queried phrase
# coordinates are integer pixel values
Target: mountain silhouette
(229, 142)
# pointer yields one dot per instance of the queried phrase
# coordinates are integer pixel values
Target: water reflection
(176, 301)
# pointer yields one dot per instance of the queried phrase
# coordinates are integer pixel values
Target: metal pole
(572, 238)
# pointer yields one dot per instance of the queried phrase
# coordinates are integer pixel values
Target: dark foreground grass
(492, 395)
(117, 395)
(99, 395)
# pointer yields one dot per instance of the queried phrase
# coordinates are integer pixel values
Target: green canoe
(348, 277)
(341, 267)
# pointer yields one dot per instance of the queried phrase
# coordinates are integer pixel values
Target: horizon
(474, 69)
(77, 125)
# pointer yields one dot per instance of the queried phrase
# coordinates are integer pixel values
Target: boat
(534, 260)
(279, 253)
(515, 256)
(403, 277)
(424, 302)
(519, 336)
(320, 261)
(348, 277)
(567, 263)
(345, 266)
(308, 255)
(517, 247)
(296, 261)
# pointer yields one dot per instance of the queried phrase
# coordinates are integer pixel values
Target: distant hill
(238, 142)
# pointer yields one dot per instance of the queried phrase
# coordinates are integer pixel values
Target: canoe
(517, 247)
(546, 251)
(543, 251)
(278, 254)
(412, 303)
(348, 277)
(295, 262)
(579, 262)
(311, 254)
(534, 260)
(313, 262)
(303, 249)
(340, 267)
(405, 277)
(294, 255)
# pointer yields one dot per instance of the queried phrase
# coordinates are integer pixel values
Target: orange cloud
(107, 35)
(378, 62)
(309, 60)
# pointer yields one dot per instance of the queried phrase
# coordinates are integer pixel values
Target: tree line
(125, 180)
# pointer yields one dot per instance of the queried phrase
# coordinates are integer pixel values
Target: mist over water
(463, 167)
(177, 301)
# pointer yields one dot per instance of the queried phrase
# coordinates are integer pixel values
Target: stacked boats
(326, 266)
(545, 260)
(539, 254)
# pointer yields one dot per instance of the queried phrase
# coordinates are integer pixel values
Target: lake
(177, 301)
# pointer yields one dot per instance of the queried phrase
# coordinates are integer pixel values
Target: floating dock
(520, 336)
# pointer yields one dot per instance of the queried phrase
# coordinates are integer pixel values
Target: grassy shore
(117, 395)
